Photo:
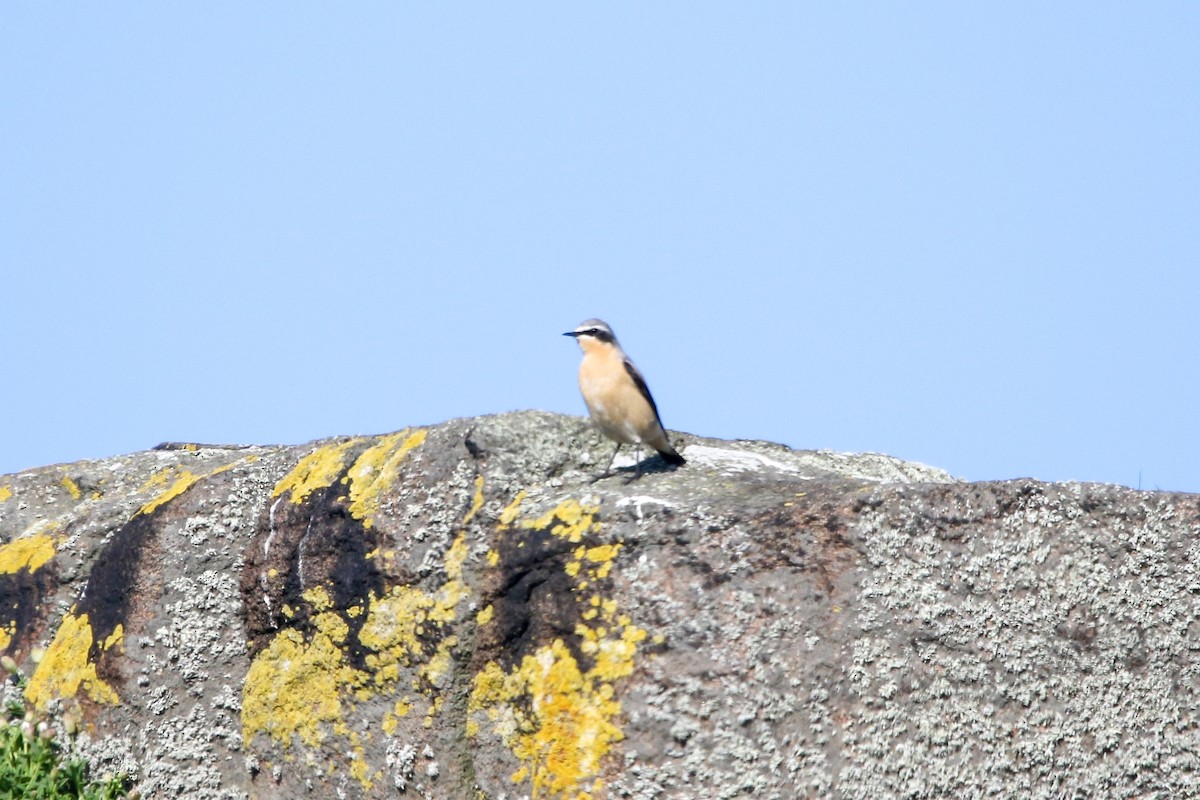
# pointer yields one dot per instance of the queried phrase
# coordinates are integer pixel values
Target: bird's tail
(671, 457)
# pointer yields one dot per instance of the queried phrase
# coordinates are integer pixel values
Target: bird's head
(593, 333)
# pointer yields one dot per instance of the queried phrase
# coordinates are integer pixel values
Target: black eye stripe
(601, 334)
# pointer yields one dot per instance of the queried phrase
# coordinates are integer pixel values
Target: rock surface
(460, 612)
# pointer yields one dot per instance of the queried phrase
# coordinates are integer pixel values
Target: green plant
(32, 766)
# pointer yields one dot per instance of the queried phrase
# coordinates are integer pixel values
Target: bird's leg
(613, 460)
(610, 463)
(637, 465)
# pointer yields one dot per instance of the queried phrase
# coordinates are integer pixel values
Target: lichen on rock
(466, 611)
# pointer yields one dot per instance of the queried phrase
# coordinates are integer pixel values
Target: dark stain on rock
(476, 450)
(334, 551)
(113, 578)
(301, 546)
(533, 599)
(22, 597)
(116, 580)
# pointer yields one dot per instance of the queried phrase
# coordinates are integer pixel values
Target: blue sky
(962, 234)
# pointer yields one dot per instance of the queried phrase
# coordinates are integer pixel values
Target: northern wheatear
(616, 394)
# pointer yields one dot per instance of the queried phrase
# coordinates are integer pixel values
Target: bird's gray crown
(589, 324)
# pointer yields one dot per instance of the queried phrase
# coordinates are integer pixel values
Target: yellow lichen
(513, 509)
(114, 638)
(65, 668)
(28, 553)
(330, 624)
(302, 688)
(293, 688)
(476, 501)
(559, 718)
(72, 487)
(6, 635)
(375, 470)
(569, 520)
(391, 719)
(603, 553)
(316, 470)
(394, 623)
(614, 655)
(456, 556)
(181, 484)
(5, 493)
(434, 708)
(183, 480)
(439, 663)
(319, 597)
(359, 769)
(454, 591)
(157, 479)
(485, 616)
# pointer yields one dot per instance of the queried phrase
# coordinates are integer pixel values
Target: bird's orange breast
(614, 401)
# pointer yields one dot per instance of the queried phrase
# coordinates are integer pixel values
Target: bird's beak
(571, 333)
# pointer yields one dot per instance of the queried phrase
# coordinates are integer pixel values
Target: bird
(617, 396)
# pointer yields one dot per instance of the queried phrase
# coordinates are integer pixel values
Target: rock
(459, 611)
